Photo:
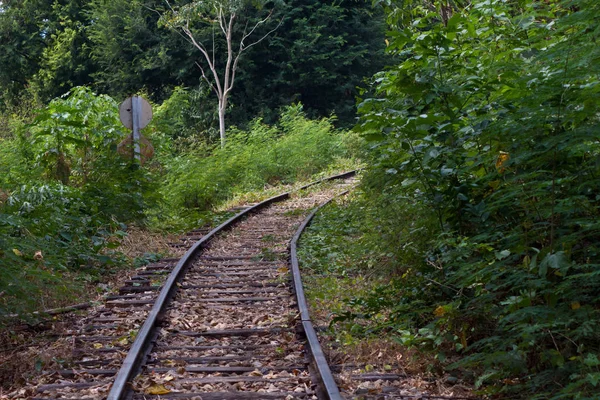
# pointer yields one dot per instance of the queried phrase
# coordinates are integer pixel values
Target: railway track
(226, 321)
(230, 323)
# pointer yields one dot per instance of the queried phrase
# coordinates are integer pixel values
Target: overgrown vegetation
(50, 238)
(479, 207)
(264, 156)
(352, 276)
(66, 193)
(69, 190)
(483, 192)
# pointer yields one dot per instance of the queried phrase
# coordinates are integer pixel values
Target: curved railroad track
(223, 322)
(220, 319)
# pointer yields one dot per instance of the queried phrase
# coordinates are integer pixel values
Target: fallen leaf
(157, 389)
(439, 312)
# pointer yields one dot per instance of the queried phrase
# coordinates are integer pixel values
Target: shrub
(47, 233)
(65, 194)
(264, 155)
(489, 123)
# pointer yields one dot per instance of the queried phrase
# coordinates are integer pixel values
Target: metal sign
(126, 149)
(126, 112)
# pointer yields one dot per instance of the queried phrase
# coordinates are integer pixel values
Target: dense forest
(477, 123)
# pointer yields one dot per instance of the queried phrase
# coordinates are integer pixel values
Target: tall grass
(295, 149)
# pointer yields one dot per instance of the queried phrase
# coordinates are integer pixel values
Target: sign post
(135, 113)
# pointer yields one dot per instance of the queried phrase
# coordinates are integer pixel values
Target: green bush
(188, 118)
(65, 192)
(47, 233)
(264, 155)
(74, 140)
(12, 164)
(489, 124)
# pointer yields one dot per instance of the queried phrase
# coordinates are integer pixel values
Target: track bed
(230, 327)
(232, 330)
(226, 321)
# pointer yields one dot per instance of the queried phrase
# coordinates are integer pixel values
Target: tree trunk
(225, 16)
(222, 107)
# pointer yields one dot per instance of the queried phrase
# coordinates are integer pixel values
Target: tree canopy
(239, 33)
(319, 55)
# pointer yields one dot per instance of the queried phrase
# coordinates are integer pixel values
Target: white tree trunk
(222, 88)
(222, 108)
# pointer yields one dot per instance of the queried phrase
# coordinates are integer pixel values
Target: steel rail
(135, 357)
(327, 379)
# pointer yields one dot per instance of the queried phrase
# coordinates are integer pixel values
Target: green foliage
(65, 61)
(265, 155)
(74, 140)
(47, 234)
(374, 236)
(11, 161)
(46, 50)
(78, 131)
(207, 11)
(320, 54)
(187, 117)
(59, 228)
(133, 52)
(489, 123)
(22, 45)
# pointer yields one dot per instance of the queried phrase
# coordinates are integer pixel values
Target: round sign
(126, 112)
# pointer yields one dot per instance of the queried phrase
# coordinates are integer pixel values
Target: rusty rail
(142, 344)
(327, 379)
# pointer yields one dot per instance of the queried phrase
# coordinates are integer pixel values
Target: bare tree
(223, 15)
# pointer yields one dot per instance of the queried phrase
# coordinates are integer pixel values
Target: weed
(268, 238)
